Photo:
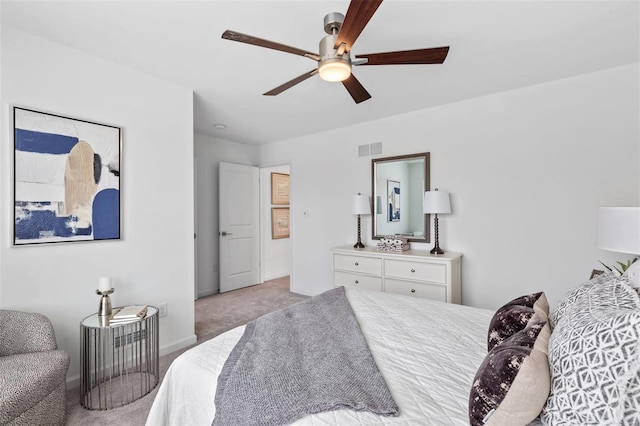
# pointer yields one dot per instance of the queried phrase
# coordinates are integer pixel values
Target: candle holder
(104, 309)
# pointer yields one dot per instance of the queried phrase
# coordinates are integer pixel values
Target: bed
(429, 352)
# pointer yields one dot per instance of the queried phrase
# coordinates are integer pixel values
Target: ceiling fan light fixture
(334, 70)
(334, 51)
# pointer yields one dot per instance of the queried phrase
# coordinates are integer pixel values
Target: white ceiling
(495, 46)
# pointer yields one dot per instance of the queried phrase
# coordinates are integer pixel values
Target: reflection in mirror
(398, 186)
(393, 200)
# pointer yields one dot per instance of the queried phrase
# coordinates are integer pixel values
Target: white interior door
(239, 237)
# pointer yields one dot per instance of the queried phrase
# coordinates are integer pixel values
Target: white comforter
(427, 351)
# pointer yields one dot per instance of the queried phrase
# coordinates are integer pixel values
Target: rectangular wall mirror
(397, 187)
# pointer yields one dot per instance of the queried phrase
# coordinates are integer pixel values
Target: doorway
(275, 255)
(275, 223)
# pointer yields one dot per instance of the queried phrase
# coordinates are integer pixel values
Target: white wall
(275, 255)
(209, 152)
(526, 170)
(153, 262)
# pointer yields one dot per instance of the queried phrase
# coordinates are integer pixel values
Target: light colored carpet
(214, 315)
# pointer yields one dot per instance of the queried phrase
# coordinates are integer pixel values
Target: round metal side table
(119, 362)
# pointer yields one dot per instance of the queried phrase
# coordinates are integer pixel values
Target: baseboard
(74, 381)
(180, 344)
(276, 276)
(208, 293)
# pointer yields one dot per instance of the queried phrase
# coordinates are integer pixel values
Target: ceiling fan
(334, 60)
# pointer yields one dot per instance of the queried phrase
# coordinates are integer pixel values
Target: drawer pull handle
(356, 263)
(413, 290)
(357, 281)
(413, 270)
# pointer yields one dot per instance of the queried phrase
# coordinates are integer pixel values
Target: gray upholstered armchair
(32, 371)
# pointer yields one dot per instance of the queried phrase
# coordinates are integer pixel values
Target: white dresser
(413, 273)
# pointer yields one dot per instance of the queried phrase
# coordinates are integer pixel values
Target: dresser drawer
(423, 290)
(364, 265)
(364, 282)
(416, 271)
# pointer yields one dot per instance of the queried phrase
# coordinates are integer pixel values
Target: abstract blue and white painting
(66, 179)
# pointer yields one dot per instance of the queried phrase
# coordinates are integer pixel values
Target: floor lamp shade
(619, 229)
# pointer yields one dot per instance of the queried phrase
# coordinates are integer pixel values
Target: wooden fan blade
(289, 84)
(358, 15)
(435, 55)
(355, 89)
(244, 38)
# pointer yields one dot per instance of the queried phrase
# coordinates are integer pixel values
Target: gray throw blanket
(308, 358)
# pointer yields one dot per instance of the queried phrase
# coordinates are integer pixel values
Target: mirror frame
(427, 173)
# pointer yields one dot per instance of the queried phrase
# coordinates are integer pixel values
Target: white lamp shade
(619, 229)
(361, 204)
(436, 202)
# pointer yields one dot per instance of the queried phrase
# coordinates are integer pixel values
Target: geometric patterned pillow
(591, 368)
(611, 295)
(594, 353)
(512, 383)
(633, 273)
(617, 293)
(572, 297)
(516, 315)
(632, 402)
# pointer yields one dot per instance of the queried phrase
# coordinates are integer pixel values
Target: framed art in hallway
(279, 188)
(279, 222)
(66, 179)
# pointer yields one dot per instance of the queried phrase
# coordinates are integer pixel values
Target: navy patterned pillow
(513, 382)
(515, 316)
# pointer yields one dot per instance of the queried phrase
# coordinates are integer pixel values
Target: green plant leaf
(603, 264)
(626, 266)
(623, 266)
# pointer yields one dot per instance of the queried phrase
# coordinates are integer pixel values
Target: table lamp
(360, 206)
(436, 202)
